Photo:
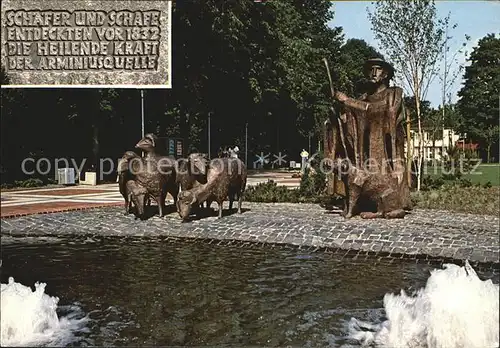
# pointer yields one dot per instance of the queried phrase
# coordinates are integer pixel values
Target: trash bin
(66, 176)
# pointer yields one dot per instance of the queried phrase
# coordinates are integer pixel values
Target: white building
(432, 149)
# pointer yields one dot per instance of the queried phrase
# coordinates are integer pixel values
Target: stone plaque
(86, 43)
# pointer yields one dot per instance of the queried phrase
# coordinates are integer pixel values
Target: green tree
(425, 109)
(480, 95)
(305, 39)
(412, 37)
(262, 66)
(490, 136)
(450, 71)
(434, 121)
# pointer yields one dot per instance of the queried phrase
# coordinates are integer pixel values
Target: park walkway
(50, 200)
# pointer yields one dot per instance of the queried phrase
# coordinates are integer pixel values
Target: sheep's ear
(201, 165)
(152, 141)
(152, 138)
(181, 195)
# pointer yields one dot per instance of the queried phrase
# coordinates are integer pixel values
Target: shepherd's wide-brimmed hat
(378, 61)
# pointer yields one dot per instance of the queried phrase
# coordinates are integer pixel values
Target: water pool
(136, 292)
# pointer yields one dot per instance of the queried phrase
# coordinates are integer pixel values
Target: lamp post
(246, 144)
(309, 143)
(209, 150)
(142, 111)
(142, 116)
(186, 142)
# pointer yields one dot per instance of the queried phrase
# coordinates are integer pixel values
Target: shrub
(51, 181)
(487, 185)
(29, 183)
(474, 199)
(312, 183)
(270, 192)
(432, 183)
(311, 190)
(32, 182)
(448, 180)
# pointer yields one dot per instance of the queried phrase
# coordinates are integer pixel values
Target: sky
(474, 18)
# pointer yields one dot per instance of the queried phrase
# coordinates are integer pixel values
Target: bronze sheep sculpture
(199, 181)
(226, 179)
(157, 174)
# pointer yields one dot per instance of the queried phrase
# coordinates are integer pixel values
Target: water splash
(29, 318)
(455, 309)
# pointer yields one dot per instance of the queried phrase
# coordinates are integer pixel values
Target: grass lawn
(482, 174)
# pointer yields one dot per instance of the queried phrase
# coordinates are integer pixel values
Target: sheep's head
(140, 203)
(129, 161)
(185, 202)
(128, 155)
(148, 143)
(138, 195)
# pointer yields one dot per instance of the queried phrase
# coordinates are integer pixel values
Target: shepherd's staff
(332, 90)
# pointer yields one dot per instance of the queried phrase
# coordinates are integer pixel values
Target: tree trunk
(488, 153)
(442, 140)
(187, 137)
(421, 138)
(409, 147)
(434, 160)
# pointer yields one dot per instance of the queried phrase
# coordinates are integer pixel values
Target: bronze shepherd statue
(365, 146)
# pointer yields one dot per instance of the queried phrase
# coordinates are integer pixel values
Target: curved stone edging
(423, 233)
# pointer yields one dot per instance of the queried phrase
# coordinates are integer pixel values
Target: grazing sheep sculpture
(226, 178)
(192, 172)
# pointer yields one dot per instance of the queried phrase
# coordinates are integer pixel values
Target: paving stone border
(422, 235)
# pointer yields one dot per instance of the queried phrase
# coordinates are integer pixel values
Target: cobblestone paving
(422, 234)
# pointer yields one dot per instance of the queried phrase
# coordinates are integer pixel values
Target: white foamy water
(29, 318)
(456, 309)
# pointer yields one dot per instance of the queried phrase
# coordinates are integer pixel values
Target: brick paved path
(421, 234)
(50, 200)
